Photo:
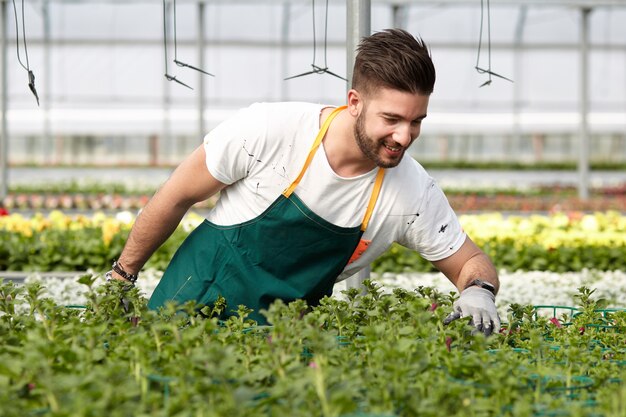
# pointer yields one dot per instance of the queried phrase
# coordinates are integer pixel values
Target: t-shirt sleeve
(231, 146)
(436, 233)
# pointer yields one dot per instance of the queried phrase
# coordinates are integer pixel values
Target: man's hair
(393, 59)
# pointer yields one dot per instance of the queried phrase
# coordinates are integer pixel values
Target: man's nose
(403, 135)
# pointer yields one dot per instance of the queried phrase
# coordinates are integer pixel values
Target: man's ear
(355, 102)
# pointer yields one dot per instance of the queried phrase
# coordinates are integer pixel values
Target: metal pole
(583, 161)
(284, 50)
(201, 83)
(4, 139)
(165, 139)
(358, 25)
(517, 77)
(400, 16)
(47, 68)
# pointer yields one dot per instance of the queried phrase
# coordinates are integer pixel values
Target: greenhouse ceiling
(551, 3)
(100, 63)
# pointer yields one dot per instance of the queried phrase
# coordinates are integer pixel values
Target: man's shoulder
(292, 120)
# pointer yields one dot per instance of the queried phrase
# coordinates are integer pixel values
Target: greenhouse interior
(513, 305)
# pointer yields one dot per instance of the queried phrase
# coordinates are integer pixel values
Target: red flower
(3, 211)
(505, 331)
(556, 322)
(433, 307)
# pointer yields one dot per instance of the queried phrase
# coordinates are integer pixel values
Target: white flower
(125, 217)
(520, 287)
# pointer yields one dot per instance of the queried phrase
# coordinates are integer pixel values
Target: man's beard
(371, 147)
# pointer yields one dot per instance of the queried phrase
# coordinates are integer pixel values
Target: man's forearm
(156, 222)
(467, 264)
(190, 183)
(478, 266)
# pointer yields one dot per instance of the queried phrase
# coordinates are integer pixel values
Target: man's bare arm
(190, 183)
(467, 264)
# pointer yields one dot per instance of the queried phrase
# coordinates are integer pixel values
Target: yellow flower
(109, 230)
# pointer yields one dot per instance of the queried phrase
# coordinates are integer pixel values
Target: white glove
(478, 303)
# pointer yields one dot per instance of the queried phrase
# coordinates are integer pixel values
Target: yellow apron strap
(316, 145)
(318, 140)
(370, 206)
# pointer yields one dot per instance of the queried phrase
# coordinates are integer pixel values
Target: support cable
(479, 69)
(31, 75)
(176, 61)
(317, 69)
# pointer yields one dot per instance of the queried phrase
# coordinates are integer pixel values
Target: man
(311, 194)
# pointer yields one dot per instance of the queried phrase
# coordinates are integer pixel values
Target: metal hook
(182, 64)
(176, 61)
(484, 71)
(317, 69)
(480, 41)
(31, 75)
(179, 63)
(31, 85)
(173, 78)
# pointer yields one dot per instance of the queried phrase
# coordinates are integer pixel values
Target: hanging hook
(480, 41)
(31, 75)
(173, 78)
(168, 77)
(176, 61)
(484, 71)
(182, 64)
(31, 85)
(317, 69)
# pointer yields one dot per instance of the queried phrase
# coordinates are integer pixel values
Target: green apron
(287, 252)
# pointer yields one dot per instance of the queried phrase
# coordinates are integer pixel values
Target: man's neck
(342, 151)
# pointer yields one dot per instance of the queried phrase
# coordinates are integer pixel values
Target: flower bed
(372, 355)
(59, 242)
(468, 202)
(558, 242)
(80, 201)
(519, 287)
(461, 201)
(133, 195)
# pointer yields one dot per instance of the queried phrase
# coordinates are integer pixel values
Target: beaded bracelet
(118, 269)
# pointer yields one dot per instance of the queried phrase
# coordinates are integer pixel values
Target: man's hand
(119, 284)
(479, 304)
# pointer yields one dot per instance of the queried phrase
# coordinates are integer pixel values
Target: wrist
(112, 275)
(119, 272)
(482, 284)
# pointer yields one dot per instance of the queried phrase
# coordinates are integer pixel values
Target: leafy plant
(373, 354)
(559, 242)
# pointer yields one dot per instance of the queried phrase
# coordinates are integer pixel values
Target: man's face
(388, 124)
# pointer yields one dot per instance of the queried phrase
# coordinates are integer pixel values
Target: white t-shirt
(261, 150)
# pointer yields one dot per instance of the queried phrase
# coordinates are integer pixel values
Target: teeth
(392, 149)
